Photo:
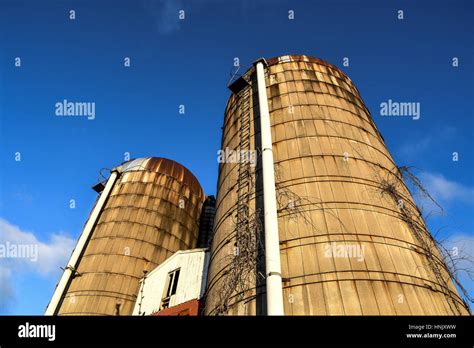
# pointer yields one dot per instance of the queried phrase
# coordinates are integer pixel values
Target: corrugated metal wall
(352, 239)
(153, 210)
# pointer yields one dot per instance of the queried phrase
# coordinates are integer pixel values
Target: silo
(351, 239)
(206, 222)
(150, 210)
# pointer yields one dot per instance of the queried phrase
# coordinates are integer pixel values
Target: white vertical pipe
(272, 239)
(81, 243)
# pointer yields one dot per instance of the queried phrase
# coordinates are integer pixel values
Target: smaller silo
(149, 209)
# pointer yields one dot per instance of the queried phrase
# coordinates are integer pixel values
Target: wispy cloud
(40, 257)
(419, 145)
(165, 14)
(461, 248)
(445, 190)
(23, 197)
(417, 148)
(7, 294)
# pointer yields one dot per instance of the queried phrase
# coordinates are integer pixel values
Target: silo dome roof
(164, 166)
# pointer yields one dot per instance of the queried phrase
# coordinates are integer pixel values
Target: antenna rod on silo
(272, 239)
(69, 270)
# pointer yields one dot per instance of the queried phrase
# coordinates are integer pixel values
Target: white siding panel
(191, 282)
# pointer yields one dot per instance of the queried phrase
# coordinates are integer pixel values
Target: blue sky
(188, 63)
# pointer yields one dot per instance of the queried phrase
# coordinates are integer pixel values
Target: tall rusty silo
(149, 209)
(351, 239)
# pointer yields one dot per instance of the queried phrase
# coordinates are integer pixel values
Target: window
(170, 288)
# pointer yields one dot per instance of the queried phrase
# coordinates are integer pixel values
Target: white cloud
(445, 190)
(41, 257)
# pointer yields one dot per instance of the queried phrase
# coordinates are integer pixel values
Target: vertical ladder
(242, 248)
(244, 170)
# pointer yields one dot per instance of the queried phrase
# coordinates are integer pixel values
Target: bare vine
(243, 261)
(408, 212)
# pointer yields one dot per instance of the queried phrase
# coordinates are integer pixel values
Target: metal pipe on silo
(72, 264)
(272, 240)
